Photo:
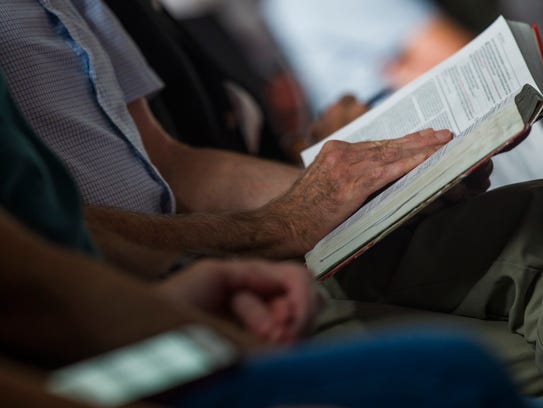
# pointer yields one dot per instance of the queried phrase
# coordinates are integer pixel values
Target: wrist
(270, 233)
(286, 229)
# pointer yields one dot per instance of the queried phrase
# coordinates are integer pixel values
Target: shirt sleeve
(136, 78)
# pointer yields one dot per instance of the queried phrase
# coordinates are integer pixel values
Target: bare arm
(247, 233)
(208, 179)
(341, 178)
(137, 260)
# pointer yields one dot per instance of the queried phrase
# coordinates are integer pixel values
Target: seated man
(81, 84)
(121, 158)
(227, 103)
(59, 306)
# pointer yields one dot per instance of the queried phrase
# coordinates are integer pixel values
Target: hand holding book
(488, 94)
(344, 175)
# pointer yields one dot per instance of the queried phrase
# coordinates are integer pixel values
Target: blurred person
(36, 190)
(434, 41)
(237, 64)
(97, 309)
(370, 49)
(452, 28)
(229, 103)
(336, 50)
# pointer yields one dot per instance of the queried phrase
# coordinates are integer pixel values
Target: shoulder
(134, 74)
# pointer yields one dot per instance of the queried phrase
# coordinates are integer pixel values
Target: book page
(453, 96)
(414, 190)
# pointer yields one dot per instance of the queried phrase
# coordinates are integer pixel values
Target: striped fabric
(72, 70)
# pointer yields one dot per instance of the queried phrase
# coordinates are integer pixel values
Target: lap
(481, 259)
(346, 318)
(434, 263)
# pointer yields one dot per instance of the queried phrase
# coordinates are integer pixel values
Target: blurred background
(305, 54)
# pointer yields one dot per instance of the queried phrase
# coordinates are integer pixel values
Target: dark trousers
(392, 370)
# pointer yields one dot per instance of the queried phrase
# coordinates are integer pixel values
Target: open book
(488, 94)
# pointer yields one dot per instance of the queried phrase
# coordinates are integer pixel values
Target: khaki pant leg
(480, 259)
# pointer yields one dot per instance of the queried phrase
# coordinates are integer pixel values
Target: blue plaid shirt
(72, 70)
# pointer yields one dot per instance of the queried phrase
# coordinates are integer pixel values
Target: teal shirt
(35, 188)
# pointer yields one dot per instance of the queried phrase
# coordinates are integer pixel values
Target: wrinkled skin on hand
(342, 177)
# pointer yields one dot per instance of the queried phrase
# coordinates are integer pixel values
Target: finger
(484, 170)
(391, 150)
(254, 314)
(348, 99)
(425, 137)
(283, 317)
(375, 178)
(353, 112)
(481, 187)
(473, 185)
(344, 111)
(420, 140)
(480, 177)
(297, 297)
(316, 132)
(302, 297)
(255, 277)
(281, 311)
(358, 110)
(457, 193)
(290, 285)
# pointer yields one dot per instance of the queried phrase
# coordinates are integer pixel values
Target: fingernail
(427, 132)
(443, 135)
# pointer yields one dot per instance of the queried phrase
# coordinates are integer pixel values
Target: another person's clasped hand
(277, 302)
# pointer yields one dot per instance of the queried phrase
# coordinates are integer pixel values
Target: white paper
(453, 96)
(471, 94)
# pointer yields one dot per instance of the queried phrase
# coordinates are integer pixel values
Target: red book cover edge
(326, 275)
(538, 38)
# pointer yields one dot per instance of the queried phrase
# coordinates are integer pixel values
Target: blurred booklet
(488, 94)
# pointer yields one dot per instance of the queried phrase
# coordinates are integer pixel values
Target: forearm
(214, 180)
(208, 179)
(258, 232)
(136, 260)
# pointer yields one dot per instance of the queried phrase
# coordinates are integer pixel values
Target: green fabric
(34, 186)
